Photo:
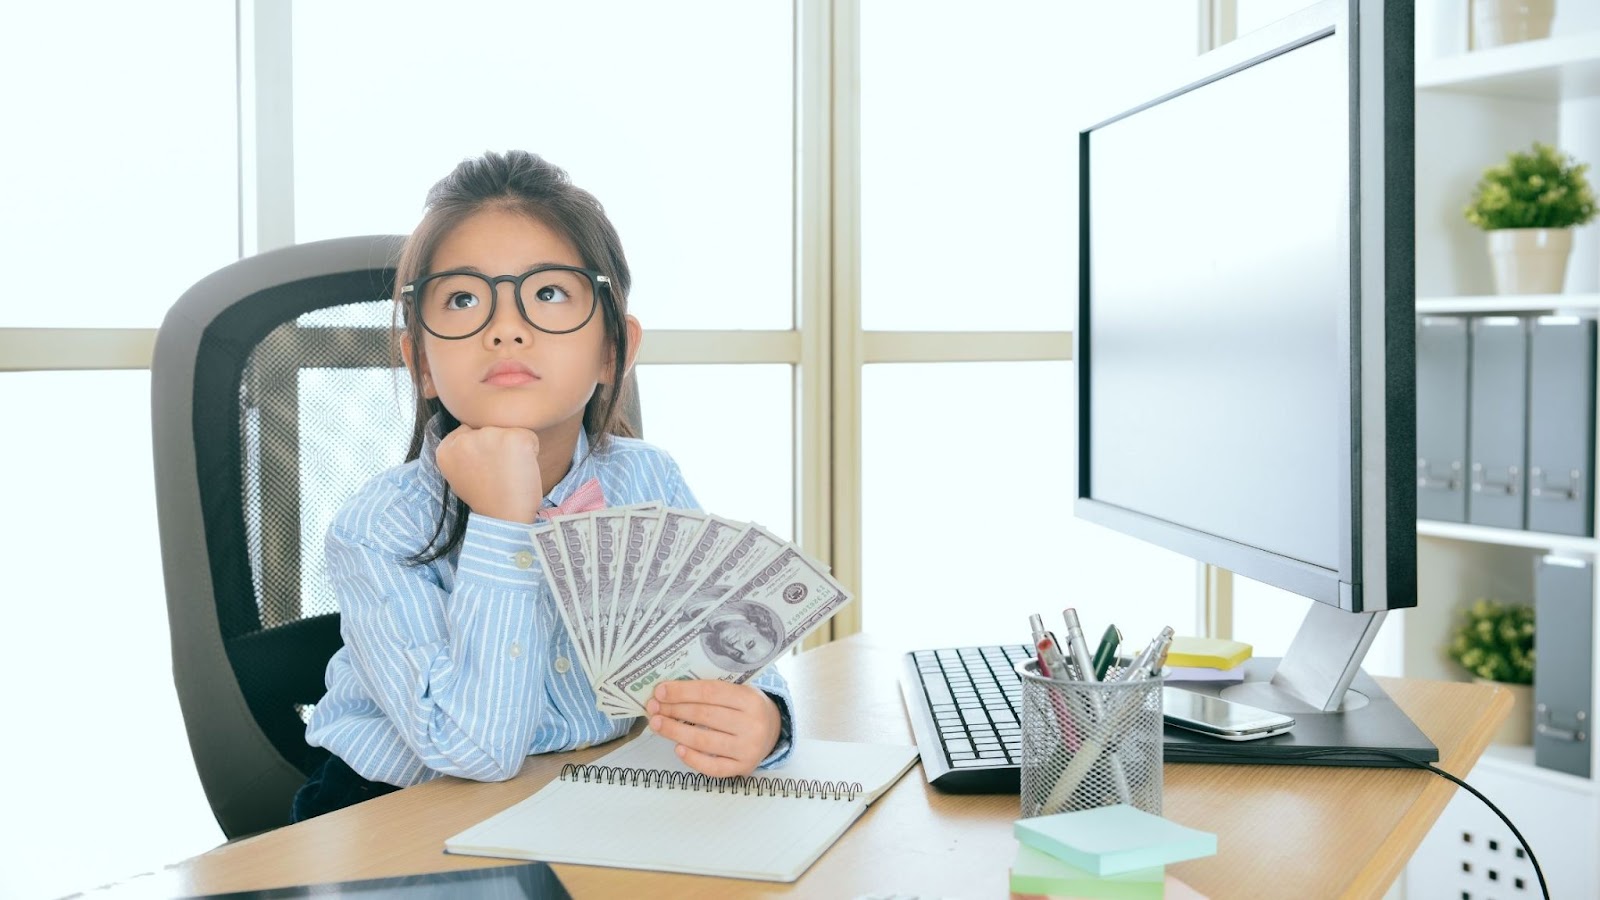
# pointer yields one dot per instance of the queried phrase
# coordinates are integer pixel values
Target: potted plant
(1529, 205)
(1495, 643)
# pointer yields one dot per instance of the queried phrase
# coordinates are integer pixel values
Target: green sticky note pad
(1035, 872)
(1111, 840)
(1209, 653)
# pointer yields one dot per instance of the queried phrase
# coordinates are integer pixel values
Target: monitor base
(1373, 735)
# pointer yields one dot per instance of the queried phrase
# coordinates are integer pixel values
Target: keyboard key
(957, 746)
(955, 756)
(974, 717)
(938, 693)
(972, 763)
(991, 754)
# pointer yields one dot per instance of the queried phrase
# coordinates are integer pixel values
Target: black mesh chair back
(275, 394)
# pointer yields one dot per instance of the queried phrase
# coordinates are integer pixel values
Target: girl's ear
(635, 334)
(418, 363)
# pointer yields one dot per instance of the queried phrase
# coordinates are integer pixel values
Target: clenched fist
(494, 470)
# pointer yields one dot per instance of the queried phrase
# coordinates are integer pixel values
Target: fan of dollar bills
(651, 594)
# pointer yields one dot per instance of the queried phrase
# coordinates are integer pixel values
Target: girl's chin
(541, 424)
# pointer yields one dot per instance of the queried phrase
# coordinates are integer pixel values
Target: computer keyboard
(965, 708)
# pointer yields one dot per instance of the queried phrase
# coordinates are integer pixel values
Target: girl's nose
(508, 325)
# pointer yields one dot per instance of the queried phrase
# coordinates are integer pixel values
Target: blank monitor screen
(1219, 282)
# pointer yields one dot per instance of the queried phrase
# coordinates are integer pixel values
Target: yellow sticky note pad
(1210, 653)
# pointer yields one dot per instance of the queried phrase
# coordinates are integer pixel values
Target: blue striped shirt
(461, 666)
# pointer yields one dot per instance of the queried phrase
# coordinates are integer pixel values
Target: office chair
(274, 395)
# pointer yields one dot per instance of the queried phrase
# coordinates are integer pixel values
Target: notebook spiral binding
(756, 785)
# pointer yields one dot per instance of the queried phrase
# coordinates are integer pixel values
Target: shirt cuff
(785, 744)
(499, 554)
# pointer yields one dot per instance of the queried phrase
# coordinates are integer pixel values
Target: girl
(513, 291)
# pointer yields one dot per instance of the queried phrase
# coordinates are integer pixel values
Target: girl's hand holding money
(494, 470)
(721, 729)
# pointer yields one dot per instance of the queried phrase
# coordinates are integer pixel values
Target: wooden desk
(1281, 830)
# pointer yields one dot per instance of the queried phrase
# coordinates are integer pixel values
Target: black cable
(1356, 756)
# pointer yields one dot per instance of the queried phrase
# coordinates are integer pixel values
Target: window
(121, 173)
(969, 225)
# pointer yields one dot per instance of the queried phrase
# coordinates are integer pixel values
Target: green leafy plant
(1496, 642)
(1541, 189)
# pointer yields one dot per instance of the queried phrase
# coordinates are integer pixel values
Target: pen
(1076, 645)
(1050, 662)
(1036, 624)
(1139, 669)
(1106, 652)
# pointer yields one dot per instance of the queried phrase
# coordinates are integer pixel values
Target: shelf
(1556, 68)
(1509, 303)
(1508, 537)
(1518, 763)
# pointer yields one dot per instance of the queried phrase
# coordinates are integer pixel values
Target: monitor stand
(1341, 715)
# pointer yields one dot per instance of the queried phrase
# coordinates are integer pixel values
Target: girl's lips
(510, 379)
(509, 373)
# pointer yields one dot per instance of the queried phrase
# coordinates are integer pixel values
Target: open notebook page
(737, 835)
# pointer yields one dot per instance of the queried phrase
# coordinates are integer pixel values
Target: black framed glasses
(458, 303)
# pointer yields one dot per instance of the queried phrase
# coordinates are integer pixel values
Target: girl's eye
(460, 300)
(551, 294)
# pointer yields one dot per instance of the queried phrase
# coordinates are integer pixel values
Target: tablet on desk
(527, 881)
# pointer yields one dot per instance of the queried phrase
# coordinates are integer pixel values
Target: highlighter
(1106, 653)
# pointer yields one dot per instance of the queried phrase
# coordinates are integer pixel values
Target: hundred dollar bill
(638, 532)
(546, 541)
(607, 529)
(689, 599)
(703, 554)
(675, 537)
(788, 598)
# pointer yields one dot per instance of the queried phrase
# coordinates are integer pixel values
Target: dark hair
(525, 183)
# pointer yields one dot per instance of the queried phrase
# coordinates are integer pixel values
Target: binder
(1563, 620)
(1442, 418)
(1561, 425)
(1497, 418)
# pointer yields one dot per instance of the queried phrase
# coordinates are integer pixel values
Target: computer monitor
(1245, 340)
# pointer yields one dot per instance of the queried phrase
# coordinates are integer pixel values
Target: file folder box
(1442, 418)
(1563, 619)
(1497, 419)
(1561, 425)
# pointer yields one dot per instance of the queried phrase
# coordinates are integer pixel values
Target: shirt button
(516, 649)
(563, 665)
(523, 559)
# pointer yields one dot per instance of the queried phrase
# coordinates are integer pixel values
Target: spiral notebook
(640, 807)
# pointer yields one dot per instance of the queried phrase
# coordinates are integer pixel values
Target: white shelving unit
(1471, 109)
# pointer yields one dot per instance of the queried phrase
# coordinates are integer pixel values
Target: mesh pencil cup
(1087, 744)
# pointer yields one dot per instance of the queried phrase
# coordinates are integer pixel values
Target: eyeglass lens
(458, 304)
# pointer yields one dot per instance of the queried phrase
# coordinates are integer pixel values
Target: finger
(715, 766)
(720, 718)
(705, 740)
(714, 693)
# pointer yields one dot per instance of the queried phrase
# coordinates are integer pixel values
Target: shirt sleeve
(773, 685)
(457, 671)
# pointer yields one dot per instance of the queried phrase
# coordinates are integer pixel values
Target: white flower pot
(1529, 260)
(1517, 729)
(1496, 22)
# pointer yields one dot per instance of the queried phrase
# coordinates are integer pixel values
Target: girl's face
(511, 374)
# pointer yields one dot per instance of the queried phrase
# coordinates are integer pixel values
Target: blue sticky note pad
(1111, 840)
(1035, 872)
